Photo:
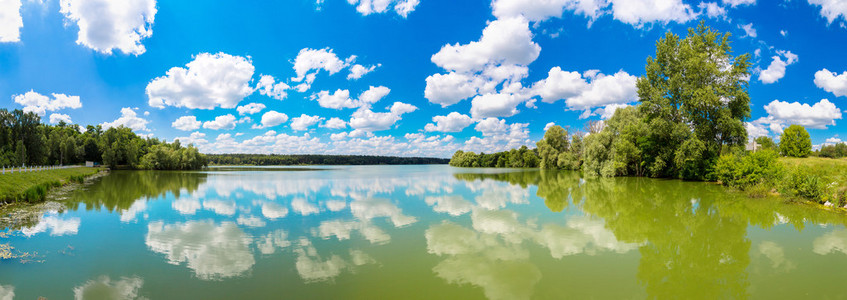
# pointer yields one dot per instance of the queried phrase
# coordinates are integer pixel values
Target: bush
(747, 170)
(802, 183)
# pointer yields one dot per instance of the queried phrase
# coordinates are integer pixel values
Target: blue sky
(440, 75)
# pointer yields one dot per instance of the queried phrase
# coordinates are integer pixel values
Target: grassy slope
(833, 173)
(14, 187)
(835, 169)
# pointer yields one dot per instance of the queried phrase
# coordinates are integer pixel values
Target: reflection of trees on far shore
(121, 189)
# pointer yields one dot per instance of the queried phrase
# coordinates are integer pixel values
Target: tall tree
(693, 93)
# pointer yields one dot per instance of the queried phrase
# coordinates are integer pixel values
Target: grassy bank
(32, 186)
(817, 179)
(821, 166)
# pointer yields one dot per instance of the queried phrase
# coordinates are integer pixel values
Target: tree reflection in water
(121, 189)
(692, 235)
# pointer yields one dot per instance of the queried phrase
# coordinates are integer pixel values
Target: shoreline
(54, 188)
(16, 215)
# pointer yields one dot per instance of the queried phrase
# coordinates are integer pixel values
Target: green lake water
(420, 232)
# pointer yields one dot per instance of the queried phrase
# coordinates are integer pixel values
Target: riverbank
(33, 186)
(822, 180)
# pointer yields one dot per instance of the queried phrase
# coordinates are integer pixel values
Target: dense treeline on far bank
(689, 124)
(289, 160)
(25, 141)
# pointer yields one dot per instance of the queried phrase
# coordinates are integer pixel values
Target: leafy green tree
(554, 143)
(630, 131)
(598, 156)
(834, 151)
(795, 142)
(765, 142)
(694, 89)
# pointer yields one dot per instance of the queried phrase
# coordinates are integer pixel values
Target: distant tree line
(24, 140)
(833, 151)
(315, 159)
(515, 158)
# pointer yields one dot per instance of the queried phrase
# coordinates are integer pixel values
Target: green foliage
(833, 151)
(629, 133)
(795, 142)
(515, 158)
(598, 155)
(744, 171)
(765, 142)
(173, 157)
(694, 92)
(554, 143)
(802, 182)
(25, 141)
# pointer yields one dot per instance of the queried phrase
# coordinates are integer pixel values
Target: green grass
(834, 170)
(825, 174)
(33, 186)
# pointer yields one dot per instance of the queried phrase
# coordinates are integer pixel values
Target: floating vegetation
(7, 252)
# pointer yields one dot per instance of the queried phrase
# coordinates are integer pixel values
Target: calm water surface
(420, 232)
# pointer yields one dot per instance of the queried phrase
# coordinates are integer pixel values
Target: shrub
(802, 183)
(747, 170)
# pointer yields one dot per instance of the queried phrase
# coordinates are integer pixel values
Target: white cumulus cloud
(335, 123)
(304, 121)
(819, 115)
(340, 99)
(273, 118)
(357, 71)
(498, 136)
(776, 70)
(309, 60)
(496, 105)
(448, 89)
(603, 90)
(10, 21)
(560, 85)
(503, 41)
(130, 119)
(832, 82)
(401, 7)
(452, 122)
(269, 87)
(832, 10)
(41, 104)
(186, 123)
(106, 25)
(225, 122)
(367, 120)
(209, 81)
(250, 108)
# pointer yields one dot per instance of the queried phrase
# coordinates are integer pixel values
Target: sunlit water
(423, 232)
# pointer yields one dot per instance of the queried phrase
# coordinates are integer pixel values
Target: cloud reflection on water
(106, 288)
(211, 251)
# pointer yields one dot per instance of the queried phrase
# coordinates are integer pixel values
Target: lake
(419, 232)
